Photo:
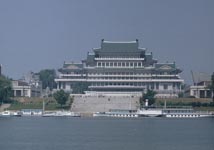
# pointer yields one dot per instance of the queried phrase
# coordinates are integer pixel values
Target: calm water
(37, 133)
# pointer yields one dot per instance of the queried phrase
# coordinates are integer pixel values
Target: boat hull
(195, 115)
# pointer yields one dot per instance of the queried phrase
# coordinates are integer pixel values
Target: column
(14, 93)
(22, 92)
(205, 93)
(57, 85)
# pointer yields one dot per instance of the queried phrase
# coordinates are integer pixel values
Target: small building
(24, 89)
(199, 90)
(28, 86)
(21, 89)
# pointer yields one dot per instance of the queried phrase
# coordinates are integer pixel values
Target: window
(115, 64)
(165, 86)
(173, 85)
(157, 86)
(63, 85)
(152, 86)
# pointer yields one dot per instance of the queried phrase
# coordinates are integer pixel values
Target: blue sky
(39, 34)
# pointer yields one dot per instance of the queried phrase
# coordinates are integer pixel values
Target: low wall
(92, 104)
(186, 100)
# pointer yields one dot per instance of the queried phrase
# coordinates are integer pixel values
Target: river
(38, 133)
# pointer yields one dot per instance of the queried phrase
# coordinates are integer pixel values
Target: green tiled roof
(72, 65)
(165, 66)
(123, 49)
(119, 46)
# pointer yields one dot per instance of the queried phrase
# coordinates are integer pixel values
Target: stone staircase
(92, 104)
(4, 106)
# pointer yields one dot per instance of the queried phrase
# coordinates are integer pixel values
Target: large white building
(121, 68)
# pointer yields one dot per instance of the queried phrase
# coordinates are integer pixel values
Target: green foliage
(193, 104)
(80, 87)
(61, 97)
(180, 94)
(5, 88)
(150, 95)
(211, 86)
(47, 77)
(15, 105)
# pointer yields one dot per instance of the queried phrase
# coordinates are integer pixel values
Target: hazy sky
(39, 34)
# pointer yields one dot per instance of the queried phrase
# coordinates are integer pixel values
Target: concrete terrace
(90, 104)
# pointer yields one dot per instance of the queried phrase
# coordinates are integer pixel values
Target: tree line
(5, 88)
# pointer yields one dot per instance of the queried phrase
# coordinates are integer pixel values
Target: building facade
(121, 68)
(200, 90)
(29, 86)
(21, 89)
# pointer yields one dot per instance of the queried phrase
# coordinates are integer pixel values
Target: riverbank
(36, 103)
(104, 104)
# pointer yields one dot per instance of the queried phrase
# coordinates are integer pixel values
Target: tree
(47, 77)
(5, 88)
(61, 97)
(150, 95)
(211, 86)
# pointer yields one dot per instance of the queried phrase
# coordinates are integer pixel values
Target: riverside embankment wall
(90, 104)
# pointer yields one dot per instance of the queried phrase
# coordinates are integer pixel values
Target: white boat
(185, 113)
(8, 113)
(61, 114)
(48, 114)
(117, 113)
(100, 114)
(172, 112)
(150, 112)
(66, 114)
(31, 112)
(5, 113)
(16, 114)
(58, 113)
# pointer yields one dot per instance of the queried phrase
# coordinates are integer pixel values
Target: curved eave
(176, 70)
(68, 70)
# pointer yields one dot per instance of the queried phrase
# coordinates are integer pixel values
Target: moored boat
(150, 112)
(185, 113)
(117, 113)
(61, 114)
(8, 113)
(16, 114)
(5, 113)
